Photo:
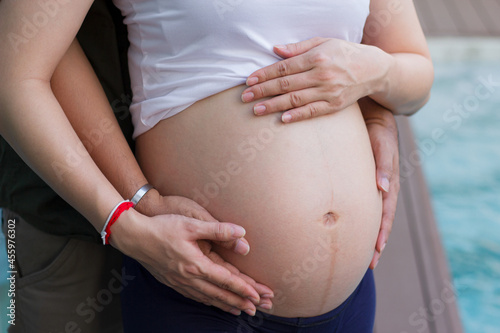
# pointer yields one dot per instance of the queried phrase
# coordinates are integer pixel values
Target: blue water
(463, 172)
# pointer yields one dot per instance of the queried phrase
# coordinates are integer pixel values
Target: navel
(330, 219)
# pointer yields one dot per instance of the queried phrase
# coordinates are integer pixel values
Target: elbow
(412, 107)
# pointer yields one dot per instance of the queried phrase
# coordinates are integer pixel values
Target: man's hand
(383, 133)
(177, 251)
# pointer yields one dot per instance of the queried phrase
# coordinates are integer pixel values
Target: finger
(384, 157)
(310, 110)
(389, 205)
(292, 100)
(216, 231)
(261, 289)
(202, 214)
(281, 68)
(375, 260)
(204, 291)
(198, 290)
(277, 86)
(220, 276)
(189, 208)
(217, 295)
(388, 212)
(264, 291)
(222, 299)
(238, 246)
(294, 49)
(382, 235)
(390, 198)
(265, 303)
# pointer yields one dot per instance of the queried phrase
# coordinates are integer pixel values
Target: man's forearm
(80, 94)
(374, 112)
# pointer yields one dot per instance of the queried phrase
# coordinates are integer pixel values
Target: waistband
(304, 322)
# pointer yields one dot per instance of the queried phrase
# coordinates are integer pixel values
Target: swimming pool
(463, 175)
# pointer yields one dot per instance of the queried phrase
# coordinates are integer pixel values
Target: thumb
(216, 231)
(384, 179)
(384, 165)
(238, 246)
(295, 49)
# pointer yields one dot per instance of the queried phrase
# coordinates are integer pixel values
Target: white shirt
(182, 51)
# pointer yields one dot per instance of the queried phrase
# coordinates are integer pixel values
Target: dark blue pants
(149, 306)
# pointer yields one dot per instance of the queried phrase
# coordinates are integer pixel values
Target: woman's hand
(383, 133)
(177, 250)
(319, 76)
(154, 204)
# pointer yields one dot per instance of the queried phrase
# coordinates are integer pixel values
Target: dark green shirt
(103, 38)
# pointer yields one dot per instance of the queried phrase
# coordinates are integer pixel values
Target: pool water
(463, 173)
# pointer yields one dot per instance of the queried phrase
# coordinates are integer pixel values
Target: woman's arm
(324, 75)
(31, 119)
(407, 72)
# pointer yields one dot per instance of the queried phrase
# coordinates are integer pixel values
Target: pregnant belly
(305, 192)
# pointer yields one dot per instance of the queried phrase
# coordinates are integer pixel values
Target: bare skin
(383, 133)
(30, 107)
(182, 257)
(323, 75)
(305, 193)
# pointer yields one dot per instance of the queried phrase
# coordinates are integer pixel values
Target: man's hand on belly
(176, 249)
(383, 133)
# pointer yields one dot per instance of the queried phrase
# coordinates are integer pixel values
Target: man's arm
(383, 133)
(82, 98)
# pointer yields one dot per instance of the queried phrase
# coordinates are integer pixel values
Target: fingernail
(252, 80)
(267, 296)
(383, 247)
(384, 183)
(235, 312)
(281, 47)
(266, 306)
(247, 97)
(238, 232)
(241, 247)
(286, 117)
(375, 266)
(254, 300)
(250, 312)
(259, 109)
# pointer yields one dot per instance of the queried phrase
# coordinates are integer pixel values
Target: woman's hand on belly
(155, 204)
(177, 250)
(320, 76)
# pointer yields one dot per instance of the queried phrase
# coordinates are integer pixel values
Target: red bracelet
(113, 216)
